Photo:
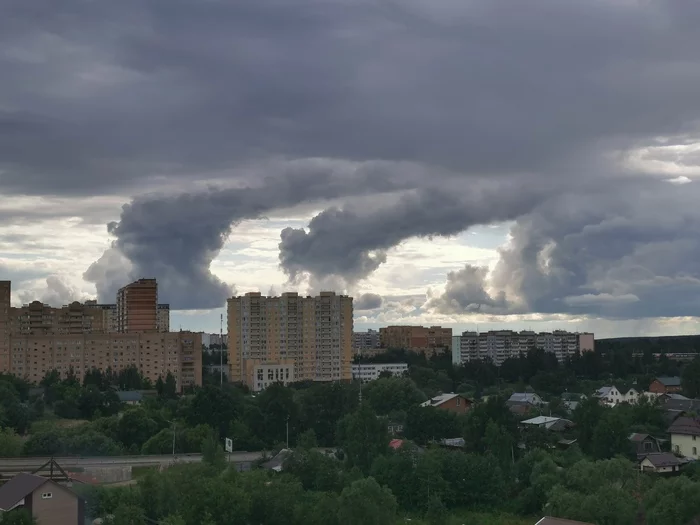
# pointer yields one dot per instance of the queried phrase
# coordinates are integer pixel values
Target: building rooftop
(559, 521)
(688, 426)
(438, 400)
(553, 423)
(129, 396)
(15, 490)
(669, 381)
(662, 459)
(524, 397)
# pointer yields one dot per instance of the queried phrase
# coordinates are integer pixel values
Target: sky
(475, 163)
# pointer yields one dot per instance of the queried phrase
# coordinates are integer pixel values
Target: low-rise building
(611, 395)
(547, 520)
(48, 502)
(555, 424)
(456, 403)
(684, 432)
(262, 374)
(372, 371)
(665, 385)
(660, 463)
(643, 444)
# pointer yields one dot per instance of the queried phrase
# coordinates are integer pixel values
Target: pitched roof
(603, 391)
(524, 397)
(690, 405)
(638, 438)
(439, 400)
(688, 426)
(23, 484)
(559, 521)
(276, 462)
(662, 459)
(553, 423)
(669, 381)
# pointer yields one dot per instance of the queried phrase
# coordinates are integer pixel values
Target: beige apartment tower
(314, 334)
(137, 307)
(416, 338)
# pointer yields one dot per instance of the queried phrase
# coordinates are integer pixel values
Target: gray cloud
(106, 98)
(175, 238)
(367, 301)
(57, 293)
(465, 293)
(351, 243)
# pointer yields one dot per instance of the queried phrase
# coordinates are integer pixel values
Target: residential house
(611, 395)
(394, 428)
(555, 424)
(684, 433)
(571, 400)
(665, 385)
(48, 502)
(674, 407)
(522, 403)
(456, 403)
(660, 463)
(643, 444)
(559, 521)
(277, 462)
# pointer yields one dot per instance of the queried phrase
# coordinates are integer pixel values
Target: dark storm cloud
(104, 97)
(351, 243)
(598, 253)
(175, 238)
(367, 301)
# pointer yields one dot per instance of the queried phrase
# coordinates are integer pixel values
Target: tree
(10, 443)
(216, 406)
(690, 378)
(170, 387)
(364, 502)
(307, 440)
(17, 517)
(212, 452)
(610, 436)
(672, 501)
(586, 416)
(362, 436)
(128, 515)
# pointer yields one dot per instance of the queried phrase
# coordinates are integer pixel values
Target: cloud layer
(390, 121)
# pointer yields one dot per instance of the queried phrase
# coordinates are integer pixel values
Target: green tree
(135, 427)
(392, 393)
(128, 515)
(17, 517)
(362, 437)
(672, 501)
(212, 452)
(307, 440)
(170, 387)
(10, 443)
(365, 502)
(690, 378)
(610, 436)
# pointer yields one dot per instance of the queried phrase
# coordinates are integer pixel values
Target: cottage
(555, 424)
(665, 385)
(643, 444)
(611, 395)
(130, 397)
(660, 463)
(684, 433)
(456, 403)
(48, 502)
(526, 398)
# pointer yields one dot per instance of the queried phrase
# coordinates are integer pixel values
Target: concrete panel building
(365, 342)
(313, 333)
(371, 371)
(5, 294)
(499, 345)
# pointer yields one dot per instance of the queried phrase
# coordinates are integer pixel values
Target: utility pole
(287, 431)
(221, 349)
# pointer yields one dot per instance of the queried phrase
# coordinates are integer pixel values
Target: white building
(611, 395)
(370, 372)
(266, 374)
(499, 345)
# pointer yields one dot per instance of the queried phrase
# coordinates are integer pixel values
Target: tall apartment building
(36, 338)
(364, 341)
(416, 338)
(268, 334)
(154, 354)
(137, 307)
(499, 345)
(5, 294)
(163, 318)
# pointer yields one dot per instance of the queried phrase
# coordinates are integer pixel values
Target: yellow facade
(313, 333)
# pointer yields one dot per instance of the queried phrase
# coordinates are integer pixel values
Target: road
(32, 463)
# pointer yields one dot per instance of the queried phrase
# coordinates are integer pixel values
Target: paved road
(32, 463)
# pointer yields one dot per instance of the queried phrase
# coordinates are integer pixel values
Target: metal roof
(687, 426)
(19, 487)
(669, 381)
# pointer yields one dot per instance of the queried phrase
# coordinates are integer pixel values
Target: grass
(142, 471)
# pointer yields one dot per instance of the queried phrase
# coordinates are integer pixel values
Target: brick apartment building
(36, 338)
(416, 338)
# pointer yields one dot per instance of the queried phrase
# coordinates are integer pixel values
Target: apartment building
(372, 371)
(313, 333)
(416, 338)
(36, 338)
(364, 341)
(260, 374)
(137, 307)
(154, 354)
(499, 345)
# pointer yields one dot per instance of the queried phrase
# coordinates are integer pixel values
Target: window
(695, 451)
(46, 495)
(458, 401)
(694, 438)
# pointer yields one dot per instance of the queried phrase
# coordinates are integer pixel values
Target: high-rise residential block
(366, 342)
(137, 307)
(5, 294)
(314, 334)
(499, 345)
(416, 338)
(36, 338)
